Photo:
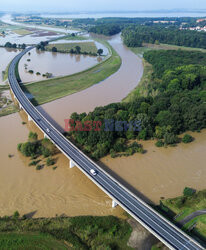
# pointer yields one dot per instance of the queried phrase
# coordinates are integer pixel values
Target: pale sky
(99, 5)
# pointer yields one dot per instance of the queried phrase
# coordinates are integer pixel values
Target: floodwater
(46, 192)
(8, 19)
(112, 89)
(6, 55)
(163, 172)
(59, 64)
(158, 173)
(62, 191)
(27, 39)
(35, 37)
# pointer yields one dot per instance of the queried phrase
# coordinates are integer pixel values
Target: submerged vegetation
(178, 105)
(35, 148)
(45, 91)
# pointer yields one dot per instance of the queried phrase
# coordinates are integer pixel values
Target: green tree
(187, 138)
(78, 49)
(50, 161)
(188, 191)
(54, 49)
(16, 215)
(32, 136)
(170, 138)
(28, 149)
(100, 52)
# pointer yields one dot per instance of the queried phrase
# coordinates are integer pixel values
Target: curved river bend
(160, 172)
(112, 89)
(62, 191)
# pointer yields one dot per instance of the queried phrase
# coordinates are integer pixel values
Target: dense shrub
(187, 138)
(188, 191)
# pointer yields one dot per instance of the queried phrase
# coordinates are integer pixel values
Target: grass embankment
(142, 87)
(30, 241)
(80, 38)
(22, 32)
(6, 73)
(10, 109)
(149, 46)
(86, 232)
(88, 47)
(6, 105)
(185, 205)
(17, 72)
(52, 89)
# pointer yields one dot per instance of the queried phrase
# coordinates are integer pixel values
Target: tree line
(136, 35)
(179, 106)
(14, 45)
(106, 29)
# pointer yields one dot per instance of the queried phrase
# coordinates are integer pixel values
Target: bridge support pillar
(71, 164)
(29, 118)
(45, 136)
(20, 106)
(114, 204)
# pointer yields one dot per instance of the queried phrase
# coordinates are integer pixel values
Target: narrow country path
(192, 216)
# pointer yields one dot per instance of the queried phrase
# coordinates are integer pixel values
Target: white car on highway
(93, 172)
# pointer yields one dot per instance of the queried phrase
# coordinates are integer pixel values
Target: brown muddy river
(158, 173)
(46, 192)
(163, 172)
(112, 89)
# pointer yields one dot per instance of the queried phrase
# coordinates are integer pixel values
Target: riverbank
(142, 88)
(87, 232)
(188, 211)
(7, 106)
(52, 89)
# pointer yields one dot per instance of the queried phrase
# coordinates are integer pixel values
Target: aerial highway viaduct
(165, 231)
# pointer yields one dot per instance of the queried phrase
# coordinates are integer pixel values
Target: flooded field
(163, 172)
(112, 89)
(8, 19)
(6, 55)
(158, 173)
(59, 64)
(27, 39)
(35, 35)
(46, 192)
(98, 45)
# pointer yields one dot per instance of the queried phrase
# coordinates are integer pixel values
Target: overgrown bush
(187, 138)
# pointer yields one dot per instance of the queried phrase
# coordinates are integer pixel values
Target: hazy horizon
(63, 6)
